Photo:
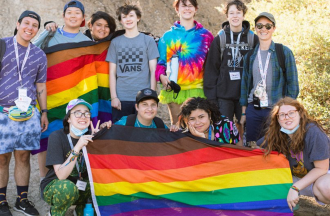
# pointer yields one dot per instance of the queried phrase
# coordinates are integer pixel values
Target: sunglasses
(268, 26)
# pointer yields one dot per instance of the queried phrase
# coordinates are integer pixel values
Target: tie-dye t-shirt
(192, 47)
(225, 131)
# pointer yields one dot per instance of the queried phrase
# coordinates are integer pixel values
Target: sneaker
(4, 209)
(26, 207)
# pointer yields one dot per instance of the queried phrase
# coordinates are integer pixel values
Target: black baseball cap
(146, 93)
(31, 14)
(76, 4)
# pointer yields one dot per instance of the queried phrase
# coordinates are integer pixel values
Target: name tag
(235, 75)
(81, 185)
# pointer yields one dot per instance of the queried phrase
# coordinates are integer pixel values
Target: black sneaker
(26, 207)
(4, 209)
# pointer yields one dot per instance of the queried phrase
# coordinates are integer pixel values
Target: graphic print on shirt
(239, 58)
(130, 59)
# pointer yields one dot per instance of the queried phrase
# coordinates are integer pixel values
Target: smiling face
(100, 29)
(130, 20)
(186, 11)
(26, 30)
(82, 122)
(289, 123)
(147, 110)
(200, 120)
(235, 17)
(264, 34)
(73, 17)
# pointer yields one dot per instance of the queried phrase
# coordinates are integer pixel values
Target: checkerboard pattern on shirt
(130, 55)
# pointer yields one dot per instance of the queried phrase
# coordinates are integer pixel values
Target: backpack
(2, 50)
(132, 118)
(279, 53)
(222, 37)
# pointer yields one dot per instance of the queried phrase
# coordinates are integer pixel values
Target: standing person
(74, 18)
(100, 26)
(295, 134)
(224, 65)
(189, 41)
(22, 83)
(133, 59)
(269, 74)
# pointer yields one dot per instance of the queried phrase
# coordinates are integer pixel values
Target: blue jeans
(256, 122)
(127, 108)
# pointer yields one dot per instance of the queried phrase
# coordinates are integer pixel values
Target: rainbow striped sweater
(192, 47)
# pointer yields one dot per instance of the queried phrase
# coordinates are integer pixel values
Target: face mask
(286, 131)
(78, 132)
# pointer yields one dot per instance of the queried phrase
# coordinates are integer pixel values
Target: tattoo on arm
(40, 92)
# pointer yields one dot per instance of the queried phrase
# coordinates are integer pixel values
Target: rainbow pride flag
(147, 172)
(76, 70)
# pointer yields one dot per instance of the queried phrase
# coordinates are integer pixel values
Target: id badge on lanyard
(234, 74)
(81, 185)
(261, 90)
(23, 102)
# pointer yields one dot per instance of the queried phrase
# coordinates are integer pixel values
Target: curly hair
(239, 5)
(127, 8)
(278, 141)
(103, 15)
(195, 103)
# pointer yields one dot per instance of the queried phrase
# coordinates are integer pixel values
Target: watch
(44, 110)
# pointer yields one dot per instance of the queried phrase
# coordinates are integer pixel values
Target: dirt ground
(308, 206)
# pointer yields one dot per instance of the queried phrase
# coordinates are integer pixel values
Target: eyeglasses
(291, 114)
(79, 114)
(268, 26)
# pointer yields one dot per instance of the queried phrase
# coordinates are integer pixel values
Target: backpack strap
(250, 38)
(130, 121)
(159, 122)
(222, 37)
(280, 56)
(2, 50)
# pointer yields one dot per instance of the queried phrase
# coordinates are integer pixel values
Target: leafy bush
(303, 26)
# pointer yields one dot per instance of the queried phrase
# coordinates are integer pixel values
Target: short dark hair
(239, 5)
(103, 15)
(127, 8)
(144, 99)
(177, 2)
(195, 103)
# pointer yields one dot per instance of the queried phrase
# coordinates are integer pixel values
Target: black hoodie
(217, 83)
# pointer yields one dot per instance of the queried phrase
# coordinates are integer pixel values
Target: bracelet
(113, 98)
(243, 114)
(44, 110)
(295, 188)
(73, 152)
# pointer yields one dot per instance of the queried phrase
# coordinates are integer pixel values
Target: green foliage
(303, 26)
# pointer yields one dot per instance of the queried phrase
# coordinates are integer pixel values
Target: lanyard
(81, 160)
(210, 133)
(263, 71)
(234, 50)
(17, 59)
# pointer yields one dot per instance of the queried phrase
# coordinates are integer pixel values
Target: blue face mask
(78, 132)
(286, 131)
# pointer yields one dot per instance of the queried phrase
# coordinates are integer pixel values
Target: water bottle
(89, 210)
(174, 65)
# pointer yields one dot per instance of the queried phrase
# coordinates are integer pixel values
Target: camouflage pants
(61, 194)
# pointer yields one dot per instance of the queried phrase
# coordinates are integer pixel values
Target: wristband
(113, 98)
(243, 114)
(295, 188)
(44, 110)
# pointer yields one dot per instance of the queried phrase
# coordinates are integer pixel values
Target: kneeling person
(146, 107)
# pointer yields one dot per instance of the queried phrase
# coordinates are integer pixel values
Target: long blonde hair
(278, 141)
